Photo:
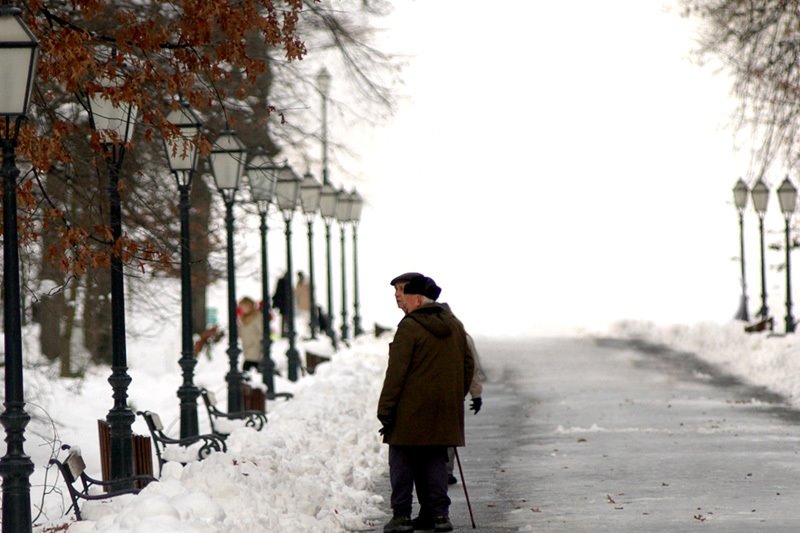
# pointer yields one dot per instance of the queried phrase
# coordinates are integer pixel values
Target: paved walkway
(582, 435)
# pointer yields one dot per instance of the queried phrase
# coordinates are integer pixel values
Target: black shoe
(422, 523)
(442, 523)
(451, 479)
(400, 524)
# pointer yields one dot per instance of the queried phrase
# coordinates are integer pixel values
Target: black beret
(408, 276)
(422, 285)
(433, 291)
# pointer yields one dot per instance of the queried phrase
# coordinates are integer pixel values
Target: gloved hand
(476, 404)
(387, 424)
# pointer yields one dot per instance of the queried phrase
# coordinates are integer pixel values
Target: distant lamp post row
(348, 210)
(787, 198)
(345, 208)
(18, 54)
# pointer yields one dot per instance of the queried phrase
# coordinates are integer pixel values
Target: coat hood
(434, 318)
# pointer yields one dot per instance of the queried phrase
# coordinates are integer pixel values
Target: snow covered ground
(310, 469)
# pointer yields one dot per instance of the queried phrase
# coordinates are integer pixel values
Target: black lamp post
(18, 53)
(182, 156)
(740, 191)
(287, 192)
(787, 196)
(356, 204)
(310, 193)
(760, 195)
(327, 208)
(343, 216)
(227, 162)
(328, 198)
(324, 86)
(261, 174)
(114, 124)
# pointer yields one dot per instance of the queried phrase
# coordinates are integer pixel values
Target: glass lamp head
(182, 149)
(18, 54)
(227, 161)
(787, 197)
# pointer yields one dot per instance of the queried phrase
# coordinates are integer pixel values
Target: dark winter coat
(280, 300)
(429, 372)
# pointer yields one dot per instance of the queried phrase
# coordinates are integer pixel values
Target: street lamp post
(357, 203)
(760, 195)
(740, 191)
(114, 123)
(328, 199)
(261, 174)
(343, 216)
(787, 196)
(310, 193)
(182, 156)
(18, 53)
(227, 162)
(324, 86)
(327, 208)
(287, 192)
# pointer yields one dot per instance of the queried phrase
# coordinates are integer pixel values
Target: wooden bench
(315, 359)
(762, 325)
(253, 398)
(209, 442)
(142, 453)
(252, 418)
(73, 468)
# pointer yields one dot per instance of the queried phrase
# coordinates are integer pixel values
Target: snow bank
(309, 470)
(763, 359)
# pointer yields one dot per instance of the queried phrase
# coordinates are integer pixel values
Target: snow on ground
(765, 359)
(309, 470)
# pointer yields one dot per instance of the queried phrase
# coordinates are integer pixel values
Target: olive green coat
(429, 373)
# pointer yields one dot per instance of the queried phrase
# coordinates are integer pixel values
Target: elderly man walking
(421, 406)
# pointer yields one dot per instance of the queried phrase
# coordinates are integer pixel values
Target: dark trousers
(423, 467)
(248, 365)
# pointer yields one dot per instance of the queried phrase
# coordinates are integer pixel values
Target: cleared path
(584, 435)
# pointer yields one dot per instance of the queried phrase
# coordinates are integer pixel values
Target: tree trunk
(200, 248)
(51, 308)
(66, 333)
(97, 316)
(49, 312)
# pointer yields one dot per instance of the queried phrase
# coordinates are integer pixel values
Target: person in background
(302, 299)
(251, 332)
(421, 405)
(280, 301)
(302, 293)
(475, 404)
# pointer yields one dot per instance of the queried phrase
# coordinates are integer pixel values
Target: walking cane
(466, 494)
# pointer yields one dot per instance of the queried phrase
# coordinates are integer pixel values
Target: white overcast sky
(554, 165)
